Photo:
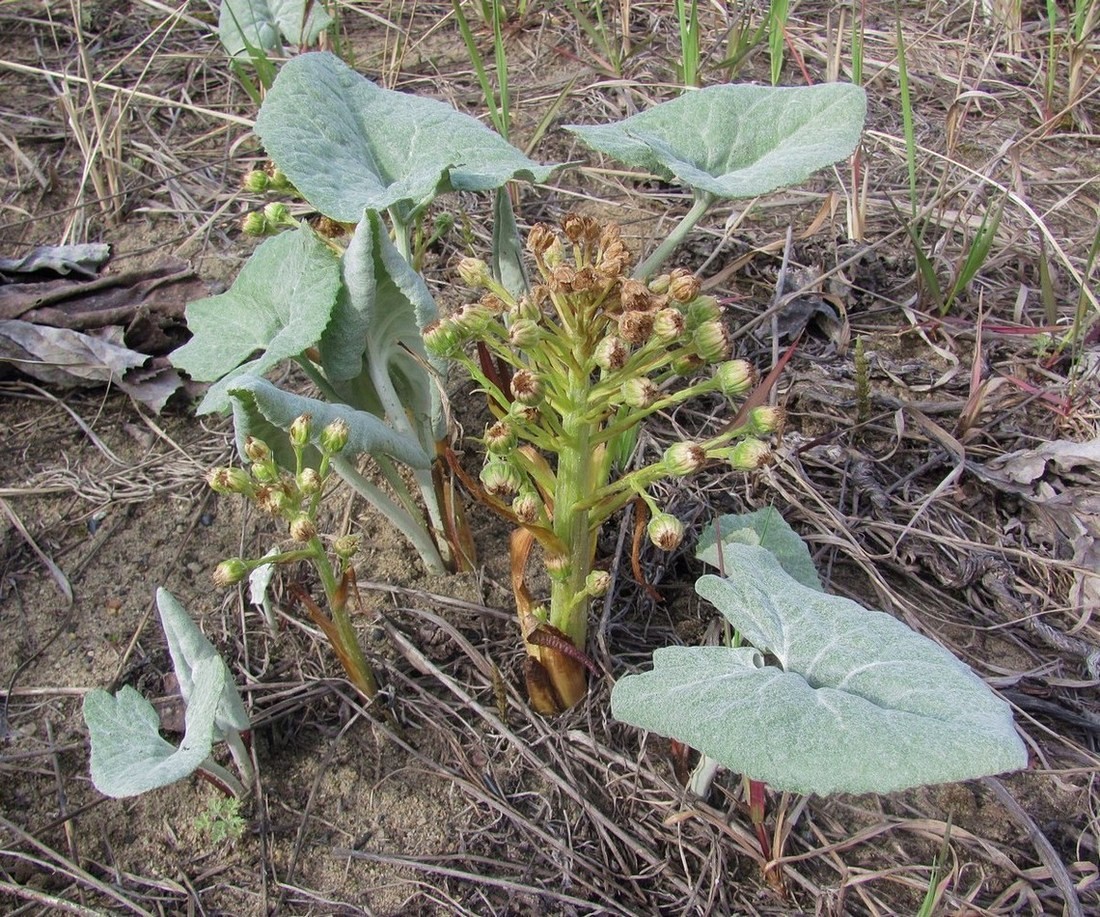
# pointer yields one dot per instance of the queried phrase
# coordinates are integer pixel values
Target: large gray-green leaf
(372, 350)
(767, 528)
(189, 647)
(267, 24)
(736, 141)
(856, 703)
(262, 410)
(128, 754)
(277, 307)
(351, 146)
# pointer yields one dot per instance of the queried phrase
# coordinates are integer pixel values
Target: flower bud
(558, 566)
(474, 272)
(300, 428)
(302, 528)
(766, 419)
(526, 387)
(660, 284)
(347, 546)
(554, 254)
(501, 479)
(264, 472)
(635, 296)
(229, 481)
(523, 413)
(309, 482)
(712, 342)
(611, 353)
(256, 181)
(471, 321)
(500, 438)
(668, 325)
(683, 285)
(665, 531)
(639, 392)
(527, 506)
(539, 239)
(635, 326)
(254, 224)
(334, 437)
(580, 229)
(597, 583)
(279, 181)
(277, 214)
(734, 377)
(272, 499)
(682, 459)
(229, 572)
(441, 338)
(748, 455)
(493, 303)
(701, 310)
(524, 334)
(257, 450)
(686, 364)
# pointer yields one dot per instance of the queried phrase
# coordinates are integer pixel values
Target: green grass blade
(907, 121)
(777, 24)
(478, 63)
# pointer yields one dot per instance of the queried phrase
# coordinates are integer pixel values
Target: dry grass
(121, 122)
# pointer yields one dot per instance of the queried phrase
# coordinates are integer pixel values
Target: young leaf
(262, 410)
(856, 703)
(189, 647)
(767, 528)
(279, 305)
(508, 267)
(349, 146)
(266, 24)
(737, 141)
(128, 754)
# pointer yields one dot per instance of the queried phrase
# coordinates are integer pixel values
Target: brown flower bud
(539, 239)
(636, 327)
(635, 295)
(683, 285)
(611, 353)
(527, 387)
(302, 528)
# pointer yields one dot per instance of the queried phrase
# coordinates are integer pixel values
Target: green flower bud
(471, 321)
(257, 182)
(302, 528)
(279, 181)
(300, 429)
(230, 571)
(639, 392)
(277, 214)
(668, 325)
(701, 310)
(734, 377)
(229, 481)
(683, 285)
(524, 334)
(558, 566)
(334, 437)
(257, 450)
(272, 499)
(524, 413)
(682, 459)
(686, 364)
(501, 479)
(527, 387)
(264, 472)
(474, 272)
(309, 482)
(766, 419)
(500, 438)
(712, 342)
(660, 284)
(254, 224)
(441, 338)
(597, 583)
(347, 546)
(611, 353)
(665, 531)
(748, 455)
(527, 506)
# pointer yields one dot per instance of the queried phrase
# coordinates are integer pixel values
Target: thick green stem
(660, 254)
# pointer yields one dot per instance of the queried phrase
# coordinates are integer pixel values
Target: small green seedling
(825, 696)
(129, 756)
(221, 820)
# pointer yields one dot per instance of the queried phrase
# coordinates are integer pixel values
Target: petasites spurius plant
(816, 694)
(130, 757)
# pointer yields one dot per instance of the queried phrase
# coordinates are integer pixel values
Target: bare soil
(471, 803)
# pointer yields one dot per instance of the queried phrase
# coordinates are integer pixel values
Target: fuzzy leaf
(351, 146)
(266, 24)
(189, 647)
(128, 754)
(262, 410)
(767, 528)
(277, 307)
(857, 703)
(737, 141)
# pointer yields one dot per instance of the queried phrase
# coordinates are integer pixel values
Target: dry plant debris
(949, 475)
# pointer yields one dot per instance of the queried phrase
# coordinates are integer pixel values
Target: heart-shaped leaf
(267, 24)
(128, 754)
(277, 307)
(737, 141)
(767, 528)
(349, 146)
(856, 702)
